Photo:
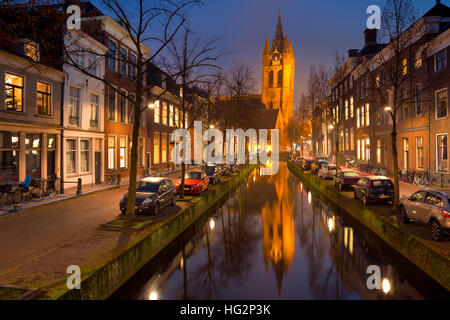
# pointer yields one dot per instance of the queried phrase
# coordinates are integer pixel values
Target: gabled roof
(439, 10)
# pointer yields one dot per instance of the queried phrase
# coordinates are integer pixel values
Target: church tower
(278, 79)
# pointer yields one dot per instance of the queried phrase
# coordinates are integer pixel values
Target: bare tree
(189, 61)
(389, 69)
(139, 20)
(240, 81)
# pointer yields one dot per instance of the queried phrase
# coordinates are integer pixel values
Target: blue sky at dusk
(317, 29)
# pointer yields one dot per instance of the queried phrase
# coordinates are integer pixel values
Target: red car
(195, 182)
(346, 179)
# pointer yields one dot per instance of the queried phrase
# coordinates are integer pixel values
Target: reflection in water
(274, 239)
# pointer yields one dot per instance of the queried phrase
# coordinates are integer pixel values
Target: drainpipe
(61, 169)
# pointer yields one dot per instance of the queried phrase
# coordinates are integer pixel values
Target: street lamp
(151, 106)
(331, 127)
(387, 109)
(211, 126)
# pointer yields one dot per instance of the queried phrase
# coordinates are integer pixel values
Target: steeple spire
(279, 31)
(267, 47)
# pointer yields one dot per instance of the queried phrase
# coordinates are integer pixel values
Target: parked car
(306, 164)
(374, 189)
(214, 174)
(428, 207)
(195, 182)
(327, 171)
(152, 194)
(346, 179)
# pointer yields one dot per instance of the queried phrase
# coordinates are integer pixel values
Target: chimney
(370, 36)
(352, 53)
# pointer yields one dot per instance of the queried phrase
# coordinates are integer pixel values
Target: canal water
(274, 239)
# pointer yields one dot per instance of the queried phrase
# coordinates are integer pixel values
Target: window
(133, 62)
(405, 66)
(177, 117)
(71, 155)
(367, 149)
(347, 140)
(406, 153)
(367, 114)
(164, 113)
(418, 62)
(112, 55)
(163, 147)
(378, 151)
(441, 104)
(351, 107)
(352, 139)
(280, 79)
(363, 115)
(84, 156)
(51, 155)
(186, 121)
(270, 79)
(405, 110)
(141, 152)
(358, 153)
(442, 155)
(440, 61)
(419, 153)
(31, 50)
(77, 55)
(419, 109)
(43, 98)
(13, 92)
(346, 110)
(123, 152)
(112, 108)
(123, 61)
(157, 112)
(9, 156)
(92, 63)
(94, 111)
(123, 106)
(74, 106)
(171, 116)
(358, 123)
(111, 152)
(156, 141)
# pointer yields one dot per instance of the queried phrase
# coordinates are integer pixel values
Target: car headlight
(147, 202)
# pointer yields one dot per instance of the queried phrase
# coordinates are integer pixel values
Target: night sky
(317, 29)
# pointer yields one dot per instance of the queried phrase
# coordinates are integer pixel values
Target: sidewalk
(72, 193)
(38, 239)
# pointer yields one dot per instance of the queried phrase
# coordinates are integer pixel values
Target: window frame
(14, 87)
(436, 104)
(50, 109)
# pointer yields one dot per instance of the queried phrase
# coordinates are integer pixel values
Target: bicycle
(113, 178)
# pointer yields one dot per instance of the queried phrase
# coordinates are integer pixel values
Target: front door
(406, 153)
(98, 167)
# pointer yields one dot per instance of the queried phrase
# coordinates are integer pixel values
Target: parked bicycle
(113, 178)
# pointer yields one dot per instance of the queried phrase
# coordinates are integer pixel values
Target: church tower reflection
(278, 229)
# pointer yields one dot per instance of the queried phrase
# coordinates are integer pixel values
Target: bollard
(79, 186)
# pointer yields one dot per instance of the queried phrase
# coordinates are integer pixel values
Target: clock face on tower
(276, 57)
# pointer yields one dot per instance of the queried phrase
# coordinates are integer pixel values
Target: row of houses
(361, 119)
(57, 121)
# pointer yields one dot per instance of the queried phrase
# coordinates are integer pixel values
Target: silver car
(429, 207)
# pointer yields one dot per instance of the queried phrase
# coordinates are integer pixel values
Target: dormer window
(31, 50)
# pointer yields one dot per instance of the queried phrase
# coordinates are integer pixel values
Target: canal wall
(107, 278)
(415, 249)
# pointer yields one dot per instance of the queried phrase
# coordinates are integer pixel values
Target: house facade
(362, 101)
(30, 116)
(83, 146)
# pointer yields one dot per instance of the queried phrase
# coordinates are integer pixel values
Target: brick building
(361, 117)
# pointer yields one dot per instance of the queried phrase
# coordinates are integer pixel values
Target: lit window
(442, 154)
(43, 98)
(419, 153)
(156, 111)
(156, 149)
(441, 104)
(84, 156)
(111, 152)
(13, 92)
(123, 152)
(405, 66)
(367, 115)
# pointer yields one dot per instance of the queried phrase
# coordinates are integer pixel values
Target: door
(51, 160)
(98, 167)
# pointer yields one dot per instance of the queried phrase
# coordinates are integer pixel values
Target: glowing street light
(212, 224)
(211, 126)
(153, 296)
(331, 127)
(151, 106)
(387, 109)
(386, 285)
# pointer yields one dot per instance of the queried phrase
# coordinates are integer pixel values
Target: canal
(274, 239)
